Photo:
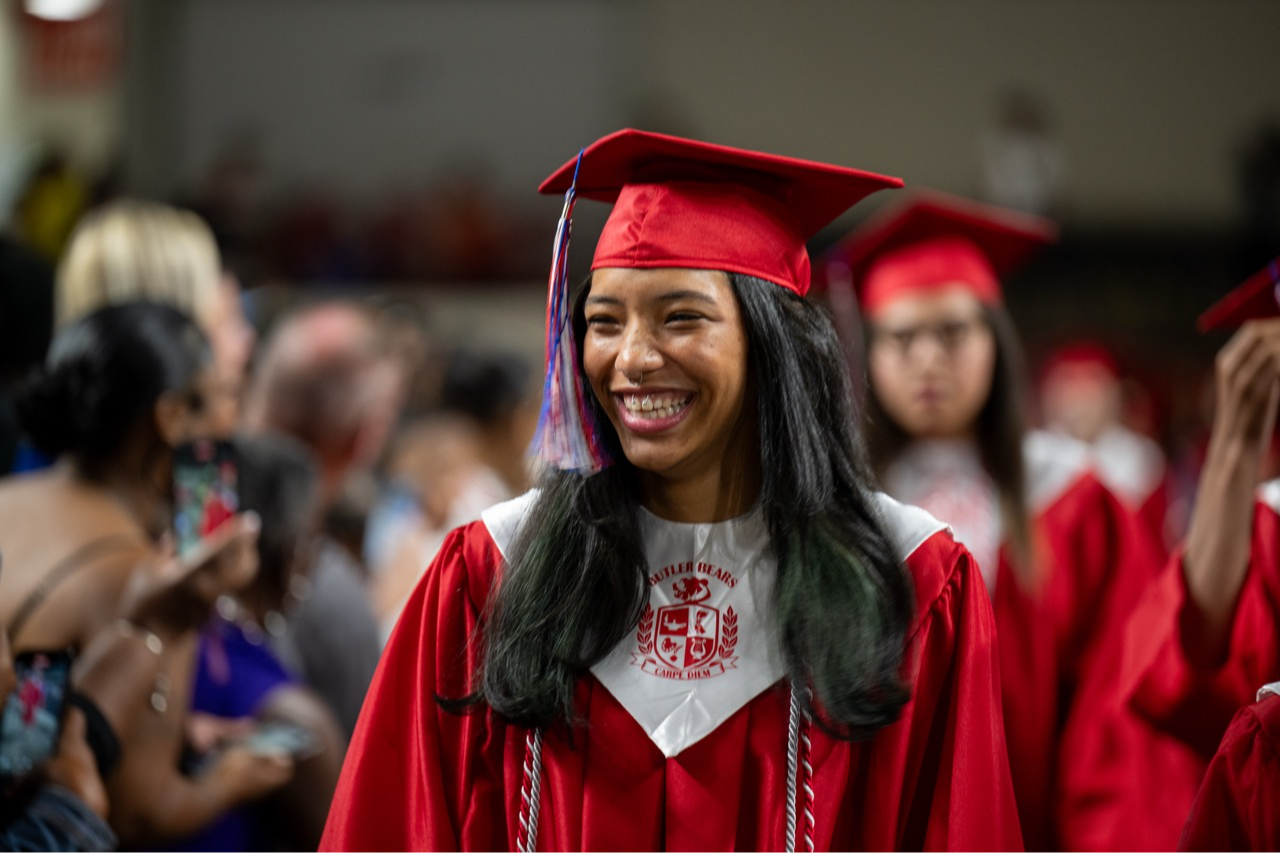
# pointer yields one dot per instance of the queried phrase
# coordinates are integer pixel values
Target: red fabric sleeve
(1236, 806)
(405, 784)
(943, 769)
(1192, 703)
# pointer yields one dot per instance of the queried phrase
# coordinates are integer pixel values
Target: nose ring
(636, 380)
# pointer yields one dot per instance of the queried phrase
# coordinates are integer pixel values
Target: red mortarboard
(1257, 298)
(933, 239)
(1078, 354)
(686, 204)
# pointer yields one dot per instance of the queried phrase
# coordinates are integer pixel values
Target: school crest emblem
(688, 640)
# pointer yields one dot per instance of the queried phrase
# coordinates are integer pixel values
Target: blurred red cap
(934, 239)
(1257, 298)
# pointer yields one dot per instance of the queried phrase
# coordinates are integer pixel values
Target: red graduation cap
(1082, 353)
(695, 205)
(684, 204)
(1257, 298)
(934, 239)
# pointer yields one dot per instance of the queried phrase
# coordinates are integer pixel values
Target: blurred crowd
(359, 446)
(455, 227)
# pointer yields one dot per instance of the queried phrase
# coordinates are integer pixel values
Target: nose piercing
(636, 380)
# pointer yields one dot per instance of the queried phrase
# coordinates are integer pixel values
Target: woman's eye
(601, 320)
(683, 317)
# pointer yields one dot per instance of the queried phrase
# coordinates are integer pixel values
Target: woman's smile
(652, 411)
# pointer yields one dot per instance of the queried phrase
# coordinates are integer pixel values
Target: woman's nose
(638, 354)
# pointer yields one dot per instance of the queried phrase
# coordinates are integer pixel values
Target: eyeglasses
(950, 335)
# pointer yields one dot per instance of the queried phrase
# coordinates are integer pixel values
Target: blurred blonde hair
(132, 250)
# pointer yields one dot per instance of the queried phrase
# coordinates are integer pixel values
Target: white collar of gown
(707, 643)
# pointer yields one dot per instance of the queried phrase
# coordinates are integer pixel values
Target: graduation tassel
(568, 437)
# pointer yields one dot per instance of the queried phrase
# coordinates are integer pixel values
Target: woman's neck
(716, 495)
(132, 487)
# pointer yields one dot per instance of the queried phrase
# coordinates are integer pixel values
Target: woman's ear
(171, 413)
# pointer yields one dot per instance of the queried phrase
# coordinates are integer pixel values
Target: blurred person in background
(130, 250)
(1081, 395)
(493, 391)
(473, 455)
(120, 389)
(62, 804)
(239, 679)
(1203, 645)
(1060, 555)
(49, 206)
(431, 467)
(325, 378)
(26, 324)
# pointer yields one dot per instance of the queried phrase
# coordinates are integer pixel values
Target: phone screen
(289, 738)
(204, 490)
(31, 723)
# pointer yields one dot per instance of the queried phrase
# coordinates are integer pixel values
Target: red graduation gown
(1157, 717)
(1236, 808)
(1092, 558)
(1195, 704)
(417, 777)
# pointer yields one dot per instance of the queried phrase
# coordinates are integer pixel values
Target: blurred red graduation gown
(1092, 557)
(1160, 717)
(1193, 703)
(417, 777)
(1236, 806)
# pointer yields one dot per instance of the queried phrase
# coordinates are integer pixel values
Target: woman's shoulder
(925, 546)
(1056, 467)
(472, 554)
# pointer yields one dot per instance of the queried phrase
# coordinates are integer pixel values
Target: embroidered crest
(692, 639)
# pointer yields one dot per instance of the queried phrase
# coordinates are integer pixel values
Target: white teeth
(647, 408)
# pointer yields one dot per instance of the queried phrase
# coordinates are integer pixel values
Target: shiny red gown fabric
(1093, 557)
(417, 777)
(1159, 717)
(1236, 806)
(1197, 704)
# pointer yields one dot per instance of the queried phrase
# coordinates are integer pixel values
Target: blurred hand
(1248, 384)
(207, 732)
(247, 775)
(1216, 558)
(174, 595)
(75, 768)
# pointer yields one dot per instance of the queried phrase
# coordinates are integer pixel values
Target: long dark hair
(575, 584)
(103, 376)
(1001, 428)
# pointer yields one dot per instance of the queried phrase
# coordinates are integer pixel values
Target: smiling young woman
(723, 639)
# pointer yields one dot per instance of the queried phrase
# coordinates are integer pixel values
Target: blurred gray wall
(1149, 98)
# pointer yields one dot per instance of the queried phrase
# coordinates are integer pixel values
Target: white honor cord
(799, 777)
(530, 793)
(799, 772)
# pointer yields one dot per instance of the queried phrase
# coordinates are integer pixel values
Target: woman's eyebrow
(603, 300)
(675, 295)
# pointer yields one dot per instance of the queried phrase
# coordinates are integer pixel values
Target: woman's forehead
(956, 302)
(620, 284)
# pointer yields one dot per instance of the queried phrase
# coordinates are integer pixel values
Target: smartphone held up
(31, 722)
(204, 490)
